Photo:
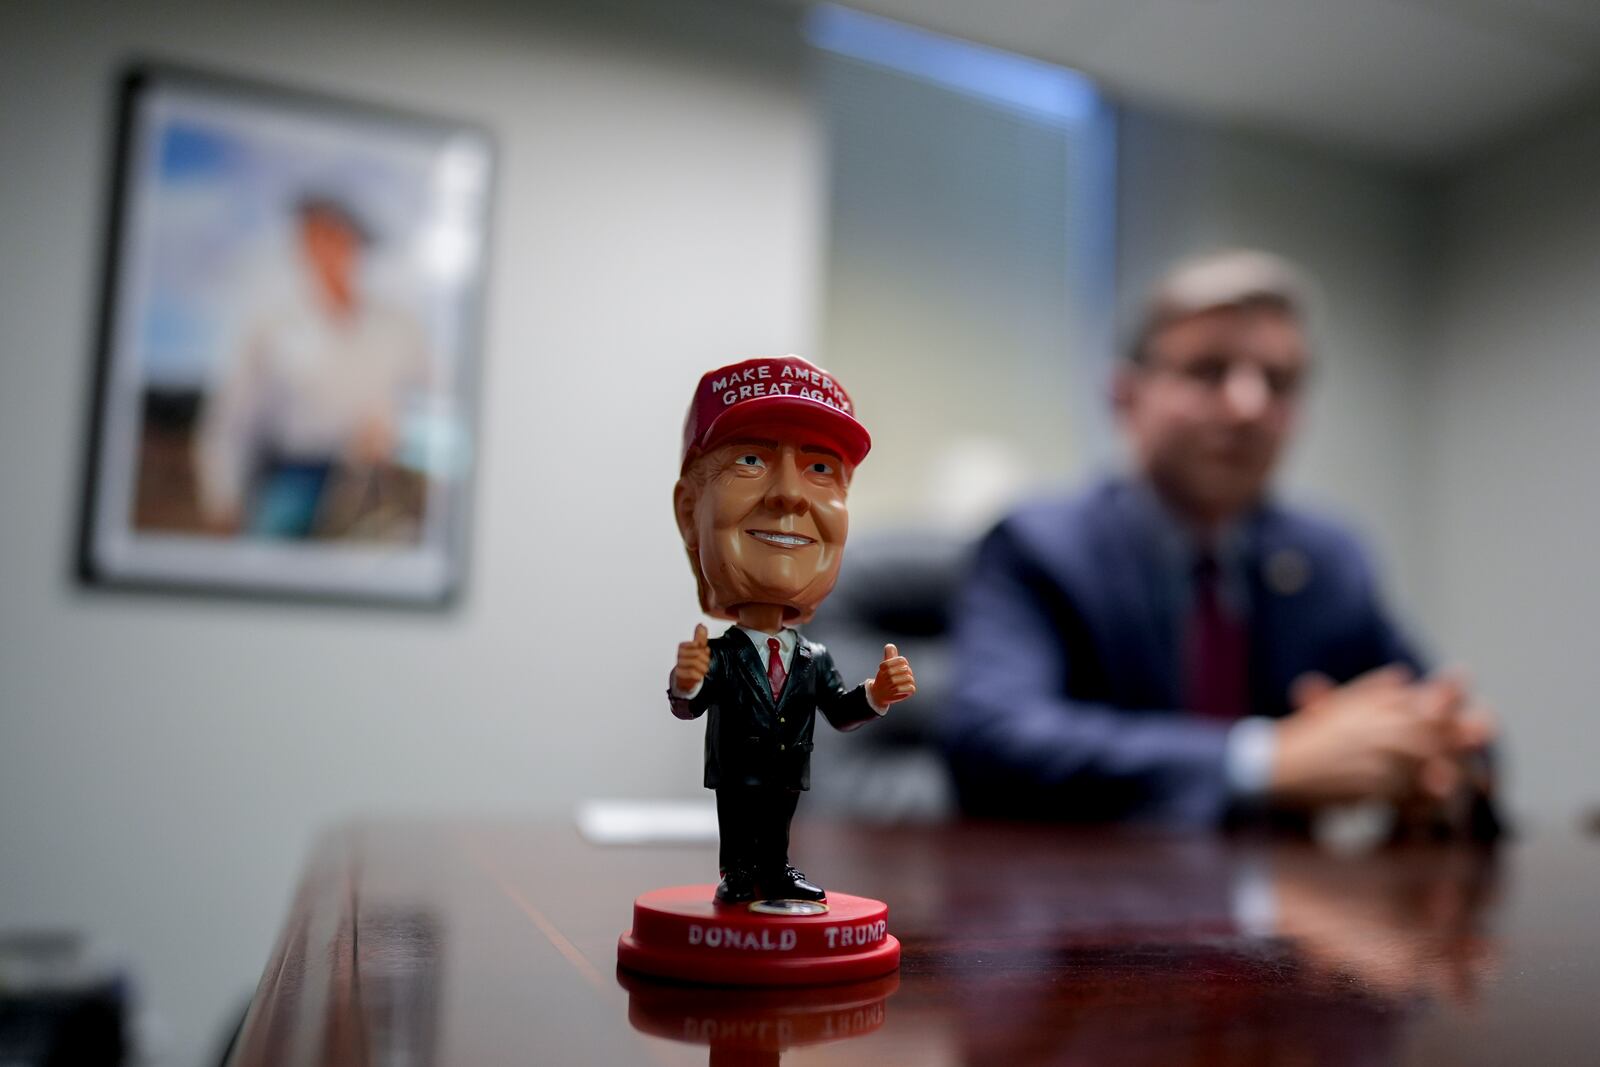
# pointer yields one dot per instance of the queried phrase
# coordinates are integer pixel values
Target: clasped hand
(1384, 735)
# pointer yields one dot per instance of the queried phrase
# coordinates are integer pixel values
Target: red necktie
(776, 675)
(1216, 651)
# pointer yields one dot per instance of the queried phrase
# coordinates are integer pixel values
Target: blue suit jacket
(1066, 702)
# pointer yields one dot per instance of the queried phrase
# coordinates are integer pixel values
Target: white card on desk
(647, 822)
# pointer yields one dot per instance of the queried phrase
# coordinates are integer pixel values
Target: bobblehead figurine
(769, 448)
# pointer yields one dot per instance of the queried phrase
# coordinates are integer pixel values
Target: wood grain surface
(487, 944)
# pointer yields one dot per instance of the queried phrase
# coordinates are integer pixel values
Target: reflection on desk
(753, 1027)
(485, 944)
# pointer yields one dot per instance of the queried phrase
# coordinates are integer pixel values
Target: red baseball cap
(759, 395)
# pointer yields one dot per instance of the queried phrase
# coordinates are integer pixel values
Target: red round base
(680, 933)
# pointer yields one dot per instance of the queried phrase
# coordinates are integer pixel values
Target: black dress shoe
(786, 883)
(738, 886)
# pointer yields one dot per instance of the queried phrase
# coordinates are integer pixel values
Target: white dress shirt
(303, 381)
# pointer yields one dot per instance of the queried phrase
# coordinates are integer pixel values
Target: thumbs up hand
(694, 660)
(894, 681)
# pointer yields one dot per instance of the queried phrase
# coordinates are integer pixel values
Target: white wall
(1512, 496)
(165, 761)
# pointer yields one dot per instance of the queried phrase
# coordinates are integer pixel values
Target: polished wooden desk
(480, 945)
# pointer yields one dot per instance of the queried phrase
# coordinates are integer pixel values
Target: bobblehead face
(764, 522)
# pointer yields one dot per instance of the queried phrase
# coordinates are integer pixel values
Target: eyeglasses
(1212, 374)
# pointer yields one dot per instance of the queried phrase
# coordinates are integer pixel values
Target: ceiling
(1415, 82)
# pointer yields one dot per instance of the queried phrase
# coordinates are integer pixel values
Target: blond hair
(1236, 277)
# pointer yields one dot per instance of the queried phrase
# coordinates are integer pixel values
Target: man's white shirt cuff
(1251, 744)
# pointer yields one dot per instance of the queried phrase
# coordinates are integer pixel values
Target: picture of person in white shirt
(298, 437)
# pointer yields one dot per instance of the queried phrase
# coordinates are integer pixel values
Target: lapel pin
(1287, 571)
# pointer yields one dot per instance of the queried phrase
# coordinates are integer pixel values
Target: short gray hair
(1237, 277)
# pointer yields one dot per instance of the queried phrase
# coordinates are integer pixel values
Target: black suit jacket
(750, 739)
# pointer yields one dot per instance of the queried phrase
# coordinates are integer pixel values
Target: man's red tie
(776, 675)
(1216, 651)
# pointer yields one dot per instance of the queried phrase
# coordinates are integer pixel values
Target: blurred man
(1174, 647)
(315, 391)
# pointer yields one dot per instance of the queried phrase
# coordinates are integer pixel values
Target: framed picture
(288, 344)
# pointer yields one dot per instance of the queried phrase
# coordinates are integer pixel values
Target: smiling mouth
(781, 540)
